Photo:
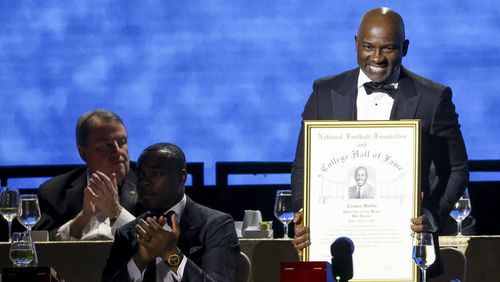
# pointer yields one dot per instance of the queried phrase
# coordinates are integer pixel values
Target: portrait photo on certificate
(362, 182)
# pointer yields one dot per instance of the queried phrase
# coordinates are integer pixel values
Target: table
(35, 274)
(83, 261)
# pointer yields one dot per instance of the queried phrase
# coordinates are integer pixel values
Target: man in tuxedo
(91, 202)
(382, 89)
(177, 239)
(362, 189)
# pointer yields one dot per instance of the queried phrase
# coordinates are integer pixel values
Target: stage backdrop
(225, 80)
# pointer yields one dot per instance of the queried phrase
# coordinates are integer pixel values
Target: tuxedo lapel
(344, 97)
(407, 99)
(189, 241)
(189, 225)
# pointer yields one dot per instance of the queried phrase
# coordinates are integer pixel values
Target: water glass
(461, 210)
(283, 208)
(29, 214)
(29, 211)
(423, 252)
(22, 249)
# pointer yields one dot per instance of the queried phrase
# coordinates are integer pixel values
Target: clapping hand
(153, 240)
(105, 193)
(89, 209)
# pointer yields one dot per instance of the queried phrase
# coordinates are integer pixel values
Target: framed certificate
(361, 181)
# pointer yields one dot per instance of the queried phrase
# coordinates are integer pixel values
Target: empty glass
(22, 249)
(9, 204)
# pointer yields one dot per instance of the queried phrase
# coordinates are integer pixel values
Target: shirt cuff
(63, 233)
(123, 218)
(180, 270)
(133, 271)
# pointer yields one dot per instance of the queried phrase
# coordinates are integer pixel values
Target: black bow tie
(371, 87)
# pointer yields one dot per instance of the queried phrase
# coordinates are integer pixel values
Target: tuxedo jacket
(208, 241)
(61, 198)
(442, 145)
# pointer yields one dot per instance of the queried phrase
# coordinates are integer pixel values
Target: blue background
(225, 80)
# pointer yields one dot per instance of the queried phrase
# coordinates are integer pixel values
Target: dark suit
(334, 98)
(61, 198)
(208, 239)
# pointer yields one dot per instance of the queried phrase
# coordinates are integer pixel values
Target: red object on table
(310, 271)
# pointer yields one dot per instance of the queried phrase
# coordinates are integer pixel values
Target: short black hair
(171, 151)
(85, 121)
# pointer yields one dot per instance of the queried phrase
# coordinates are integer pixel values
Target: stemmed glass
(29, 211)
(283, 208)
(423, 252)
(29, 215)
(22, 252)
(461, 210)
(9, 203)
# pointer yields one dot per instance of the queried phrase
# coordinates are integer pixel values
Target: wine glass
(423, 252)
(283, 208)
(29, 211)
(461, 210)
(21, 249)
(29, 215)
(9, 203)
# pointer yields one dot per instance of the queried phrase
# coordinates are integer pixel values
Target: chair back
(454, 266)
(243, 269)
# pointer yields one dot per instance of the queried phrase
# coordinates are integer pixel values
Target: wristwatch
(174, 260)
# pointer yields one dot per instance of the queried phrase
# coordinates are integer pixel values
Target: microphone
(341, 250)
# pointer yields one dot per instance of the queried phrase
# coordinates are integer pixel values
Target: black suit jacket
(61, 198)
(208, 240)
(334, 98)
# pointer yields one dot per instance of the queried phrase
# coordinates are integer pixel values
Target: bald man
(382, 89)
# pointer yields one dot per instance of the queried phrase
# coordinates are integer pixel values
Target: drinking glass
(29, 211)
(283, 208)
(22, 252)
(9, 203)
(461, 210)
(423, 252)
(29, 215)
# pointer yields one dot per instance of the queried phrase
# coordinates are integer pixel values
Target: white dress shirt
(376, 106)
(163, 272)
(99, 227)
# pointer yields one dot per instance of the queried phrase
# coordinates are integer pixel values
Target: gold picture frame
(362, 181)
